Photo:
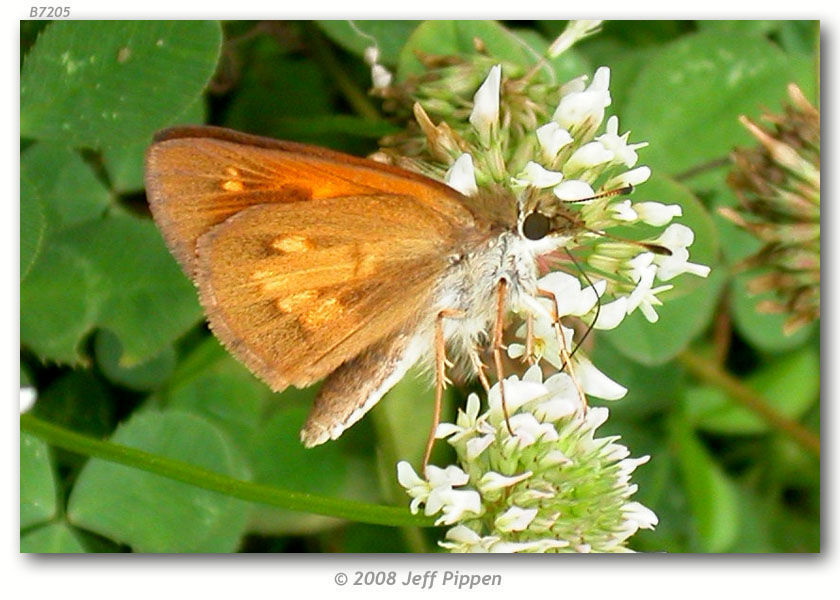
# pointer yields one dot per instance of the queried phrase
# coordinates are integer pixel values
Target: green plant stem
(713, 373)
(352, 92)
(387, 457)
(703, 168)
(254, 492)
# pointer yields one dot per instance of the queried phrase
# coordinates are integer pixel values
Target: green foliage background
(112, 336)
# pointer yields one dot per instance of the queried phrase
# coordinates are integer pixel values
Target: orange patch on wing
(270, 281)
(312, 309)
(296, 302)
(234, 184)
(292, 243)
(367, 266)
(231, 185)
(323, 311)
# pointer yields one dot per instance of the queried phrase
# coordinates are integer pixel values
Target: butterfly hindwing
(296, 290)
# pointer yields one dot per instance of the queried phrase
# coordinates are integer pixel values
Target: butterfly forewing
(196, 177)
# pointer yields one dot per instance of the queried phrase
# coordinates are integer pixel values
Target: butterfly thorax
(497, 250)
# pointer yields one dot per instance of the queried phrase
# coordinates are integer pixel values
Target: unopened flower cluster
(552, 486)
(778, 185)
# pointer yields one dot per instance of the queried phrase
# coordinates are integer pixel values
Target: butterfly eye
(536, 226)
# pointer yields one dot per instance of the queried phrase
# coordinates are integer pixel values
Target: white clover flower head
(552, 487)
(480, 131)
(552, 146)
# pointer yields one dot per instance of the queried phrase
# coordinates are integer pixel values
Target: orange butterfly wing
(196, 177)
(303, 257)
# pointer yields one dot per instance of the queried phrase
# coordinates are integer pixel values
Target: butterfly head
(546, 220)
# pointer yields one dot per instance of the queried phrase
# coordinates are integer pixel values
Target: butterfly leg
(529, 340)
(480, 367)
(498, 346)
(440, 376)
(564, 351)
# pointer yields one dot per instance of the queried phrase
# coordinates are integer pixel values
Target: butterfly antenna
(622, 191)
(597, 304)
(655, 248)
